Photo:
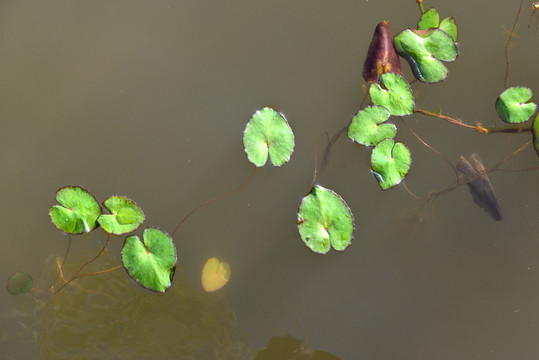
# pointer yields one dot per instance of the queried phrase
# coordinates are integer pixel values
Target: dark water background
(149, 100)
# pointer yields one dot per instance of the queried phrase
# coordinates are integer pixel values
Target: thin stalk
(421, 8)
(214, 199)
(316, 158)
(507, 44)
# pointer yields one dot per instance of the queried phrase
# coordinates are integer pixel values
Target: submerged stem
(214, 199)
(74, 276)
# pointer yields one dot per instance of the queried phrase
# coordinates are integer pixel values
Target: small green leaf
(266, 133)
(535, 133)
(19, 283)
(424, 50)
(450, 27)
(151, 262)
(325, 221)
(390, 163)
(125, 216)
(395, 95)
(367, 129)
(512, 105)
(429, 19)
(78, 212)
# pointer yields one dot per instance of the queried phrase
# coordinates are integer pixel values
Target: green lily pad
(125, 216)
(535, 133)
(367, 129)
(425, 50)
(19, 283)
(429, 19)
(325, 221)
(151, 262)
(78, 212)
(395, 94)
(266, 133)
(390, 163)
(512, 105)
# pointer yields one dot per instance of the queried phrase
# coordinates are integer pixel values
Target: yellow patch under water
(215, 274)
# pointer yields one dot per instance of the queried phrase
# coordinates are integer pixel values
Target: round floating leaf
(151, 262)
(215, 274)
(125, 216)
(450, 27)
(424, 50)
(512, 105)
(78, 212)
(367, 129)
(535, 132)
(19, 283)
(429, 19)
(325, 221)
(395, 94)
(268, 132)
(390, 163)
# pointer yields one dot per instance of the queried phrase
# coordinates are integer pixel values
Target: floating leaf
(151, 262)
(324, 219)
(429, 19)
(425, 50)
(125, 216)
(482, 191)
(381, 57)
(450, 27)
(78, 212)
(367, 129)
(512, 105)
(19, 283)
(395, 94)
(535, 133)
(268, 132)
(390, 163)
(215, 274)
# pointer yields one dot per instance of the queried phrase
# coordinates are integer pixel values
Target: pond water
(149, 100)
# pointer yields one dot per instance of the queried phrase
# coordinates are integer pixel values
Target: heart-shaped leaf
(395, 94)
(512, 105)
(429, 19)
(425, 50)
(325, 221)
(19, 283)
(390, 163)
(266, 133)
(125, 216)
(381, 57)
(215, 274)
(151, 262)
(78, 212)
(367, 129)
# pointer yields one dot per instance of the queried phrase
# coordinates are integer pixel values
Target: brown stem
(214, 199)
(74, 276)
(477, 128)
(507, 44)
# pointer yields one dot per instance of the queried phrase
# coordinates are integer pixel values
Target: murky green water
(149, 100)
